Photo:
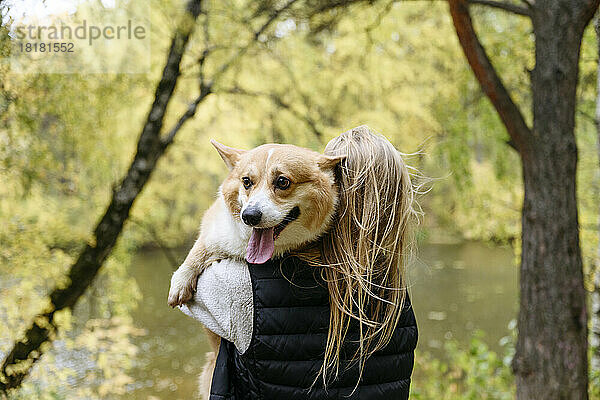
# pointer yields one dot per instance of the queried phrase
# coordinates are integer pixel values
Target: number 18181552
(42, 47)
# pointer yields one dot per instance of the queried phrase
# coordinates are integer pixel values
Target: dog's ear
(230, 155)
(327, 162)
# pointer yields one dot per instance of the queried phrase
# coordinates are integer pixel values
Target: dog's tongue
(261, 246)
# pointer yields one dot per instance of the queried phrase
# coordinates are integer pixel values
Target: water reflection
(455, 289)
(172, 352)
(459, 288)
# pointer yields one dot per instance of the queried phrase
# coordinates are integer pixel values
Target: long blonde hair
(364, 255)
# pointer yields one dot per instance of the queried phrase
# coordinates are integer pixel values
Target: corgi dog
(276, 198)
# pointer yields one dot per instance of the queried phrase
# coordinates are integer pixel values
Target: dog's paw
(183, 286)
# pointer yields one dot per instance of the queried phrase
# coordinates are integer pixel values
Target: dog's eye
(282, 183)
(247, 182)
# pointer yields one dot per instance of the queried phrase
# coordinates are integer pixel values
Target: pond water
(455, 290)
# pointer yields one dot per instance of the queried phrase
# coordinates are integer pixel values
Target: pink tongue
(261, 246)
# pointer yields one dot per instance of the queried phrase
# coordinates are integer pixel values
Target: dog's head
(286, 194)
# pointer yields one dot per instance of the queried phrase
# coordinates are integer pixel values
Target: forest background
(65, 140)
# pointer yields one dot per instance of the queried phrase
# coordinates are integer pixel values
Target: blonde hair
(364, 255)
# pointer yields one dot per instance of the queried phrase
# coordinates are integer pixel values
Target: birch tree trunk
(595, 297)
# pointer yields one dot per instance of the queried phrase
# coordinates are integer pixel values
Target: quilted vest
(291, 320)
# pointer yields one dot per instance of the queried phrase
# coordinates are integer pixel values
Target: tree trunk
(551, 357)
(551, 354)
(595, 297)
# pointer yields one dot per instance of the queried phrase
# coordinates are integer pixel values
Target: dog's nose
(251, 216)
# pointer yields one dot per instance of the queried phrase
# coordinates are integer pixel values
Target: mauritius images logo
(86, 37)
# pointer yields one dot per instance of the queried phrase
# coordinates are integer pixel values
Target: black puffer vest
(291, 319)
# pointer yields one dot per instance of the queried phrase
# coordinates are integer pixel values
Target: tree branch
(529, 3)
(335, 4)
(295, 84)
(206, 87)
(487, 76)
(188, 114)
(274, 15)
(26, 352)
(590, 118)
(168, 253)
(512, 8)
(278, 100)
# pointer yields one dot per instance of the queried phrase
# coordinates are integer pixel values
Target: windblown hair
(364, 255)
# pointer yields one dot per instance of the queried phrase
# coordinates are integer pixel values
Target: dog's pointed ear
(327, 162)
(230, 155)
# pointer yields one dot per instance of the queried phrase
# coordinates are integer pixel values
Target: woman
(334, 320)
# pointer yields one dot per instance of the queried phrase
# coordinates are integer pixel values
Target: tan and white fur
(283, 190)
